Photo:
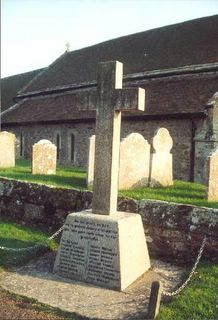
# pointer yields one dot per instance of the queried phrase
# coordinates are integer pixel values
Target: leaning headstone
(212, 192)
(44, 157)
(91, 159)
(103, 246)
(161, 159)
(7, 149)
(134, 162)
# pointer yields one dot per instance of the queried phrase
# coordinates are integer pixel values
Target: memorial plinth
(103, 246)
(108, 251)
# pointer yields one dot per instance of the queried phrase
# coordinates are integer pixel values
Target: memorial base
(108, 251)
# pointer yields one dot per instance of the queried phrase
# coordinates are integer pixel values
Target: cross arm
(129, 99)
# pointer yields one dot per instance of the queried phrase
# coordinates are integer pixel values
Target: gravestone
(212, 192)
(7, 149)
(134, 162)
(161, 159)
(44, 157)
(90, 164)
(103, 246)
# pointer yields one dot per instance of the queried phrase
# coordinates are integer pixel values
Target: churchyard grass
(14, 236)
(199, 300)
(66, 177)
(180, 192)
(72, 177)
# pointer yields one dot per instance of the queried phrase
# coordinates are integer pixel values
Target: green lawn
(14, 236)
(66, 177)
(199, 300)
(75, 178)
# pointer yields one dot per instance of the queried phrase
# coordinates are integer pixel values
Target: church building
(177, 65)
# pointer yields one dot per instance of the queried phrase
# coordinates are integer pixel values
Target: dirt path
(20, 309)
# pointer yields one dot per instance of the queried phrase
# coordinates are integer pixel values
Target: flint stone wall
(173, 231)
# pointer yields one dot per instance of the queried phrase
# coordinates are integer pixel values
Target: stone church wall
(180, 130)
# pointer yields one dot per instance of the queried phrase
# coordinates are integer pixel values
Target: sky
(34, 33)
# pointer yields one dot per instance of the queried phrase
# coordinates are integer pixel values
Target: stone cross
(111, 100)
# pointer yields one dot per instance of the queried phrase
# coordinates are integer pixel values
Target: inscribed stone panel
(7, 149)
(212, 193)
(161, 159)
(44, 157)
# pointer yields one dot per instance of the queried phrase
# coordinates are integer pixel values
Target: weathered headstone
(7, 149)
(44, 157)
(161, 159)
(134, 162)
(90, 164)
(212, 192)
(107, 248)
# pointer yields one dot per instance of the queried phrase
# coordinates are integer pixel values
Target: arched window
(58, 144)
(72, 147)
(21, 145)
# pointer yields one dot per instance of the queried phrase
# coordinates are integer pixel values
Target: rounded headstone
(162, 141)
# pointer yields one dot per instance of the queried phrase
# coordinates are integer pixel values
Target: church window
(58, 144)
(72, 147)
(21, 145)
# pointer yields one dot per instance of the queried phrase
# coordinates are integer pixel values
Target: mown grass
(180, 192)
(75, 178)
(65, 177)
(199, 300)
(14, 236)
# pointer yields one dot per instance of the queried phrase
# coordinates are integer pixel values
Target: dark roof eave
(194, 69)
(169, 116)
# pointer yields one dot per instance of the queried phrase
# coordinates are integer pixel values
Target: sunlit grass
(65, 177)
(180, 192)
(199, 300)
(75, 178)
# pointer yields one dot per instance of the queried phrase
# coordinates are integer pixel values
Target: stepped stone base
(109, 251)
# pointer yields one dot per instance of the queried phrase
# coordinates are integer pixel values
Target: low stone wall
(173, 231)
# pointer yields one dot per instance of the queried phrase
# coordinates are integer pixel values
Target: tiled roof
(190, 43)
(11, 85)
(177, 96)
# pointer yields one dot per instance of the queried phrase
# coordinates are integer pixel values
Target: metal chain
(33, 247)
(56, 233)
(171, 294)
